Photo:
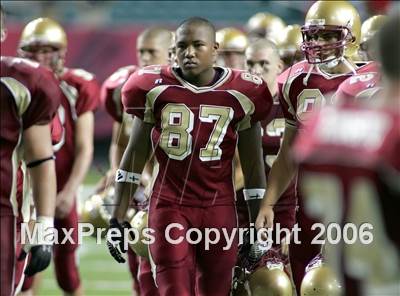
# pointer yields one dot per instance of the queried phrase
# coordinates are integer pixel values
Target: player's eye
(250, 64)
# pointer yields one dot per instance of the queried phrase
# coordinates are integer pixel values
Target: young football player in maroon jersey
(331, 35)
(151, 50)
(193, 116)
(29, 100)
(45, 41)
(349, 156)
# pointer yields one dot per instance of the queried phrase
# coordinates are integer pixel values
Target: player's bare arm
(282, 172)
(250, 153)
(82, 161)
(37, 146)
(133, 161)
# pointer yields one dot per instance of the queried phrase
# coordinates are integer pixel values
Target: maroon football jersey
(195, 129)
(350, 173)
(301, 93)
(110, 94)
(29, 96)
(359, 87)
(80, 94)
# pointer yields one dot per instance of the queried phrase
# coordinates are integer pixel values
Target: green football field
(100, 273)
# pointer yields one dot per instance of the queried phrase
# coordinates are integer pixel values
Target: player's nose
(190, 51)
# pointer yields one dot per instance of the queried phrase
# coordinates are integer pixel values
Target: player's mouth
(190, 64)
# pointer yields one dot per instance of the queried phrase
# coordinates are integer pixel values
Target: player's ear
(215, 51)
(280, 66)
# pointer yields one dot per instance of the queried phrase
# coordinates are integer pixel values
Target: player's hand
(107, 181)
(265, 217)
(116, 243)
(40, 248)
(64, 202)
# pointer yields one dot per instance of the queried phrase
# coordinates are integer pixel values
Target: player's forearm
(250, 153)
(283, 169)
(44, 188)
(282, 172)
(133, 160)
(37, 154)
(115, 153)
(83, 159)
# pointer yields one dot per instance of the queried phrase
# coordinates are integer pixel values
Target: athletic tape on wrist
(127, 177)
(254, 193)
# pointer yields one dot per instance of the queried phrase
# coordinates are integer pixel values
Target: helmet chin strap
(331, 65)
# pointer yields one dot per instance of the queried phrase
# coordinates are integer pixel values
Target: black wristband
(35, 163)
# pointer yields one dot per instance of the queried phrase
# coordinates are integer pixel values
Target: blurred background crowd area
(102, 34)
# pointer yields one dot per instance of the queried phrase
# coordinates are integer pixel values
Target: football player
(289, 44)
(194, 116)
(232, 44)
(45, 41)
(265, 25)
(331, 35)
(368, 29)
(151, 50)
(29, 100)
(349, 153)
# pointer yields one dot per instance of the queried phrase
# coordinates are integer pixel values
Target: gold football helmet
(43, 31)
(270, 280)
(139, 223)
(289, 45)
(320, 280)
(371, 26)
(97, 209)
(331, 17)
(91, 211)
(231, 39)
(265, 25)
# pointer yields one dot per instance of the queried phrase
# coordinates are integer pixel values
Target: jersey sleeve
(262, 100)
(286, 106)
(89, 97)
(254, 96)
(45, 99)
(134, 97)
(111, 98)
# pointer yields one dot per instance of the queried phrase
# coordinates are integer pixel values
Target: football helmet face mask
(331, 31)
(45, 41)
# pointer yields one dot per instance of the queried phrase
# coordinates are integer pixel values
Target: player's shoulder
(13, 65)
(293, 72)
(78, 76)
(29, 73)
(119, 77)
(243, 81)
(366, 67)
(149, 77)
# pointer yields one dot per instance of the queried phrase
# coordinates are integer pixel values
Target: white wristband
(255, 193)
(127, 177)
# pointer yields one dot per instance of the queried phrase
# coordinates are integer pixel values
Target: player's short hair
(165, 36)
(198, 22)
(389, 47)
(262, 44)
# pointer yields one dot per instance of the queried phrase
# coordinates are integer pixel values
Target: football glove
(116, 245)
(40, 247)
